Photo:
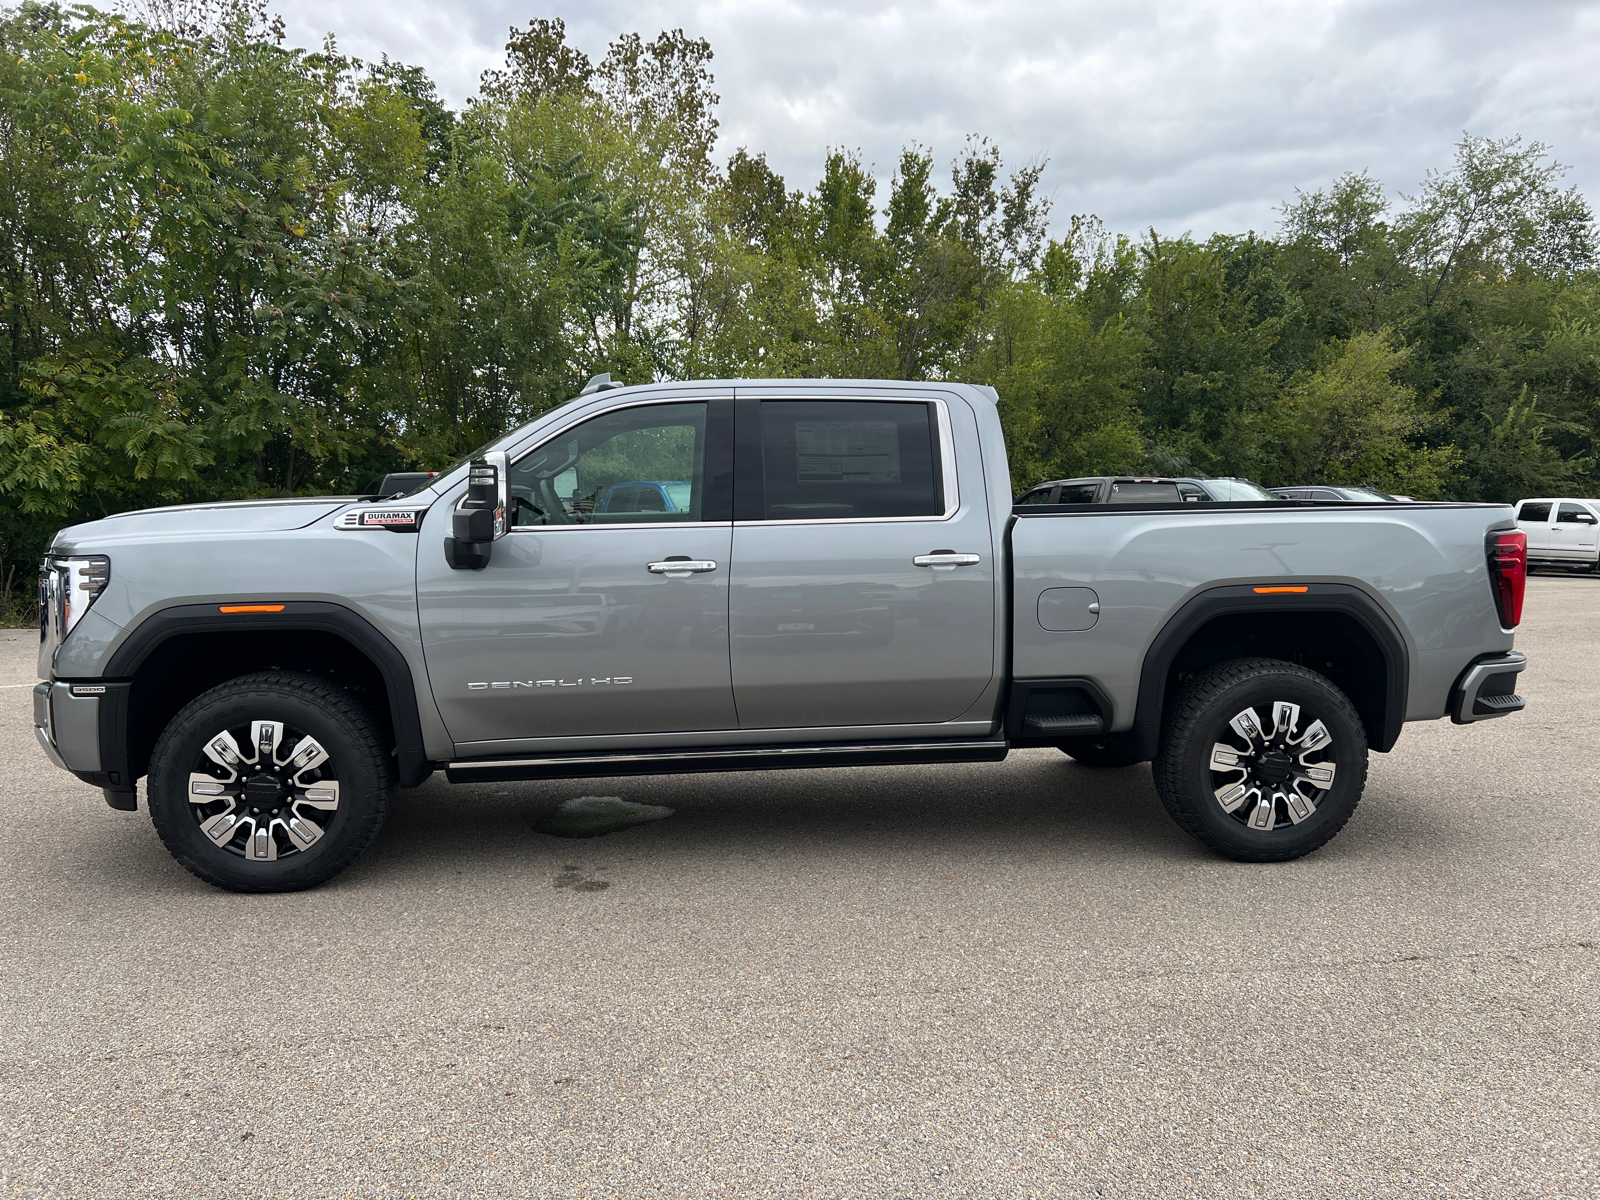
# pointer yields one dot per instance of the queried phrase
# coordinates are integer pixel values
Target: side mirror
(482, 517)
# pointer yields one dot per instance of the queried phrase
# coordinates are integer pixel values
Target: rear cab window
(1135, 491)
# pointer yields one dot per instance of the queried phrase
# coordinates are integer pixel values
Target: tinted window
(1078, 493)
(838, 458)
(1193, 493)
(1534, 512)
(1575, 514)
(1037, 496)
(616, 469)
(1134, 492)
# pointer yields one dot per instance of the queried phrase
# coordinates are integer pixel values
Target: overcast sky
(1199, 115)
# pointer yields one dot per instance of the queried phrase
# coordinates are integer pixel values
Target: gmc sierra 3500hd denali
(843, 580)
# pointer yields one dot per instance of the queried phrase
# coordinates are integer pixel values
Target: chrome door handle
(945, 560)
(680, 568)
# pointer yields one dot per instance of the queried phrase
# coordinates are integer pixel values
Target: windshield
(1365, 493)
(1238, 489)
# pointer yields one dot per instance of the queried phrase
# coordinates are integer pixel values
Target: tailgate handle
(945, 560)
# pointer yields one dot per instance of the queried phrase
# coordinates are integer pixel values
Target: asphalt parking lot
(987, 981)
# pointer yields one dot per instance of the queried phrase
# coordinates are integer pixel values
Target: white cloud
(1203, 115)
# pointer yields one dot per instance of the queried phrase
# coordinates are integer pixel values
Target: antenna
(600, 383)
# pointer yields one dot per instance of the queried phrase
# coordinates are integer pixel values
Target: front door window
(634, 466)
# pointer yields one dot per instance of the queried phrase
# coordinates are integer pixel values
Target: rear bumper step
(1073, 725)
(740, 758)
(1485, 689)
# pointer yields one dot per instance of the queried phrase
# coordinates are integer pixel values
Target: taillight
(1508, 574)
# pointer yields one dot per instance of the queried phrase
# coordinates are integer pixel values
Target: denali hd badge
(578, 681)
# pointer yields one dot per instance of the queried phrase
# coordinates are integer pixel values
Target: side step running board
(739, 758)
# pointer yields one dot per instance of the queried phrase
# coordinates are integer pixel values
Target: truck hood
(236, 516)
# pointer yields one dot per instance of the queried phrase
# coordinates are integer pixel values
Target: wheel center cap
(1274, 766)
(264, 791)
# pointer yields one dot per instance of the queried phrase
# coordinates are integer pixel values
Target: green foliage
(232, 268)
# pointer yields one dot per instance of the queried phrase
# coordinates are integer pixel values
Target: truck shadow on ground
(1041, 804)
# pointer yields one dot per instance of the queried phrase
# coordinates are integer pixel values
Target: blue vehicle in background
(645, 496)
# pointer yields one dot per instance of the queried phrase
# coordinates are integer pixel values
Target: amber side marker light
(1273, 591)
(249, 608)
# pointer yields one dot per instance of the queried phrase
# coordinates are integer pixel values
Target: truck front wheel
(271, 782)
(1261, 760)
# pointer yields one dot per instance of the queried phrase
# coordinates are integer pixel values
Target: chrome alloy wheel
(267, 799)
(1280, 774)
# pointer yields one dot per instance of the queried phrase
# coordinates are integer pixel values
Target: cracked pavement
(987, 981)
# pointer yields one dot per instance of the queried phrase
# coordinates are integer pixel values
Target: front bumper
(42, 727)
(81, 728)
(1486, 689)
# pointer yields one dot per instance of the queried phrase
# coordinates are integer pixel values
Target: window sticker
(847, 452)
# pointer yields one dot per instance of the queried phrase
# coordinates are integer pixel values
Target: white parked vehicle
(1561, 532)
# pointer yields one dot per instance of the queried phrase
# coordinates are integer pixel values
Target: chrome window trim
(595, 416)
(544, 529)
(947, 465)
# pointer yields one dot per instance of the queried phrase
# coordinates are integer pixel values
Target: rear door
(1533, 518)
(1574, 531)
(863, 579)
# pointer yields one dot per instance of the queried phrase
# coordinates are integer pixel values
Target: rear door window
(1037, 496)
(1537, 511)
(840, 459)
(1078, 493)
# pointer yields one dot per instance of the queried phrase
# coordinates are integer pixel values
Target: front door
(863, 589)
(604, 610)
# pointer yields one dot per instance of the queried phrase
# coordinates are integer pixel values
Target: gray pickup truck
(845, 581)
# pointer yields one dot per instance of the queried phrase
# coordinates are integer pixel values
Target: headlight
(78, 584)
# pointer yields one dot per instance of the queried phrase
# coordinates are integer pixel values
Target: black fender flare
(1340, 598)
(411, 759)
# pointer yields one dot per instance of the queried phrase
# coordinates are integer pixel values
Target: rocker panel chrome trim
(754, 758)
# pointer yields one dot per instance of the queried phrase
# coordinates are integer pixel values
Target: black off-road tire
(359, 761)
(1198, 718)
(1100, 752)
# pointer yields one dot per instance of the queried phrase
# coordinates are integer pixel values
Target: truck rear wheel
(1261, 760)
(271, 782)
